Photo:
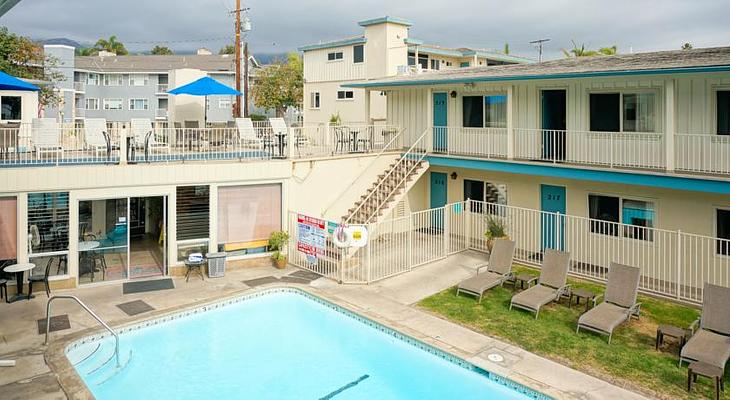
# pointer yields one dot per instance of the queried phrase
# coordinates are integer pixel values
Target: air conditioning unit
(403, 70)
(216, 264)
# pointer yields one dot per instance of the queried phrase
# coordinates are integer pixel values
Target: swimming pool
(280, 343)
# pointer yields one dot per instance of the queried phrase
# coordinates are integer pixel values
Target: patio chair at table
(499, 270)
(550, 285)
(96, 136)
(619, 303)
(280, 131)
(710, 343)
(46, 137)
(43, 278)
(143, 136)
(342, 139)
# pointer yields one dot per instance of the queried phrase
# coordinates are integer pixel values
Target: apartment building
(384, 49)
(119, 88)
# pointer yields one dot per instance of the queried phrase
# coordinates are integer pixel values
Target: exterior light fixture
(453, 94)
(454, 175)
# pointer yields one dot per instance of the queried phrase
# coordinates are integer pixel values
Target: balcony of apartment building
(46, 142)
(79, 86)
(162, 89)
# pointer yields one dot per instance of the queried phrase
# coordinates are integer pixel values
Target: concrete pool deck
(389, 302)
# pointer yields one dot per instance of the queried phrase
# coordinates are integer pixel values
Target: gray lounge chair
(619, 302)
(499, 270)
(711, 343)
(551, 284)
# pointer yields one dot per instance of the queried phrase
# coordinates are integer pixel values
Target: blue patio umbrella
(9, 82)
(205, 86)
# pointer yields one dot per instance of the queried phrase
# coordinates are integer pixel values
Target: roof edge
(385, 19)
(335, 43)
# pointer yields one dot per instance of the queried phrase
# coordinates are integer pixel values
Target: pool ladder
(93, 314)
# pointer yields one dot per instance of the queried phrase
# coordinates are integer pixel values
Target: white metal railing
(161, 113)
(673, 264)
(328, 140)
(480, 142)
(394, 137)
(610, 149)
(702, 153)
(79, 86)
(79, 112)
(67, 144)
(393, 180)
(162, 88)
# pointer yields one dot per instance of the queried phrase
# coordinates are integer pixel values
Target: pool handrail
(93, 314)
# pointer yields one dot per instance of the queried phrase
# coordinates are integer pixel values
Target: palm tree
(687, 46)
(582, 51)
(506, 48)
(227, 49)
(161, 51)
(111, 45)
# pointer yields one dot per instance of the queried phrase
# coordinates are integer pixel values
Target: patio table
(19, 270)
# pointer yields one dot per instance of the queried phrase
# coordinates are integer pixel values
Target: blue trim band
(626, 178)
(655, 71)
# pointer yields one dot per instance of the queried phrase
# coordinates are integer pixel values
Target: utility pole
(539, 43)
(245, 80)
(244, 26)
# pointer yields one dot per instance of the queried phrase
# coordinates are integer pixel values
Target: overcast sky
(283, 25)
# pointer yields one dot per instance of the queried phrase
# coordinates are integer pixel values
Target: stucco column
(22, 227)
(213, 218)
(429, 121)
(510, 124)
(367, 107)
(669, 126)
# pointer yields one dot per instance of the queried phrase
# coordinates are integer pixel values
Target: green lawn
(630, 359)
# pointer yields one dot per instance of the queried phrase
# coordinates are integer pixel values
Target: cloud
(278, 26)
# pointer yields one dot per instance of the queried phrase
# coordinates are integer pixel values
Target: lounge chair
(711, 343)
(499, 270)
(551, 284)
(46, 135)
(619, 302)
(247, 134)
(96, 136)
(144, 136)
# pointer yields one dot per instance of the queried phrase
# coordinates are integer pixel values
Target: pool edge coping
(75, 388)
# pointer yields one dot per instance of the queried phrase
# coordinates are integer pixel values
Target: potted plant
(277, 243)
(496, 229)
(335, 119)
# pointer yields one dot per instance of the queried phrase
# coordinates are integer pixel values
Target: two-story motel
(384, 49)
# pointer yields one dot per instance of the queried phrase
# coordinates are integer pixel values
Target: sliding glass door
(103, 240)
(147, 240)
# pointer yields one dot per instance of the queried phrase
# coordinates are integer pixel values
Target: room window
(435, 65)
(723, 112)
(10, 108)
(92, 104)
(464, 64)
(723, 232)
(92, 79)
(358, 53)
(422, 59)
(8, 228)
(193, 219)
(247, 215)
(314, 100)
(48, 218)
(224, 104)
(622, 112)
(473, 111)
(138, 80)
(334, 56)
(113, 104)
(606, 212)
(113, 80)
(345, 94)
(448, 63)
(139, 104)
(493, 194)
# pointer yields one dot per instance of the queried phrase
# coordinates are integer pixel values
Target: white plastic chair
(144, 136)
(96, 136)
(247, 134)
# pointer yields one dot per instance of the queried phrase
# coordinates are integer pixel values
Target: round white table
(88, 245)
(19, 270)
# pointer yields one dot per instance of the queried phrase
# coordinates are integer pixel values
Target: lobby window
(358, 54)
(622, 112)
(10, 108)
(345, 95)
(607, 213)
(193, 220)
(334, 56)
(314, 100)
(723, 231)
(723, 112)
(48, 219)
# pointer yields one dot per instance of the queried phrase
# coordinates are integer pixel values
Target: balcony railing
(79, 112)
(702, 153)
(161, 113)
(73, 144)
(162, 88)
(80, 86)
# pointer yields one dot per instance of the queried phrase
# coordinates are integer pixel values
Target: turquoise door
(440, 121)
(438, 199)
(552, 202)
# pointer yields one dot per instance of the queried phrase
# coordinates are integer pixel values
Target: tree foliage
(161, 51)
(687, 46)
(582, 51)
(280, 85)
(227, 49)
(24, 58)
(111, 45)
(506, 48)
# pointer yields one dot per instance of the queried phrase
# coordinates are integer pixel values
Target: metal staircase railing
(93, 314)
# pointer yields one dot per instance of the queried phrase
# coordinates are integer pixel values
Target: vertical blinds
(248, 213)
(8, 228)
(193, 212)
(48, 222)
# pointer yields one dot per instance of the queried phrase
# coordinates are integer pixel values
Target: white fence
(484, 142)
(328, 140)
(702, 153)
(673, 264)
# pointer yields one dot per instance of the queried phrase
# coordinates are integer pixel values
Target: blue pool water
(279, 345)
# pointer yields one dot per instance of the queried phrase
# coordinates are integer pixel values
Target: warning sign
(311, 235)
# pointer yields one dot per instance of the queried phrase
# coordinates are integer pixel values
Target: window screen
(605, 112)
(193, 212)
(248, 213)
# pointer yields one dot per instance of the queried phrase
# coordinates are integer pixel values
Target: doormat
(304, 274)
(261, 281)
(147, 286)
(135, 307)
(58, 323)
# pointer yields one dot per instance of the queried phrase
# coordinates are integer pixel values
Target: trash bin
(216, 264)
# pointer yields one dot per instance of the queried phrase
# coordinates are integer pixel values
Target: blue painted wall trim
(626, 178)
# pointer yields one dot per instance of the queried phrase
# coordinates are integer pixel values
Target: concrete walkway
(390, 302)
